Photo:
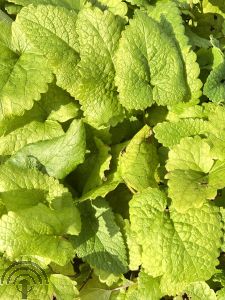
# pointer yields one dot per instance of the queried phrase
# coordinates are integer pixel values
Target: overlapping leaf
(192, 165)
(182, 248)
(169, 16)
(148, 66)
(117, 7)
(23, 76)
(52, 30)
(30, 133)
(105, 95)
(38, 227)
(95, 87)
(100, 242)
(170, 133)
(214, 87)
(59, 156)
(139, 160)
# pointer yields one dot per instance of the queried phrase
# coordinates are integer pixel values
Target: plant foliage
(112, 147)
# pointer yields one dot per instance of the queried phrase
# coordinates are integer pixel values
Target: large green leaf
(170, 133)
(214, 87)
(37, 186)
(148, 66)
(181, 248)
(192, 172)
(22, 79)
(100, 242)
(95, 87)
(36, 231)
(62, 287)
(52, 31)
(59, 155)
(30, 133)
(169, 16)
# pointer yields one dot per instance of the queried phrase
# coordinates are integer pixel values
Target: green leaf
(39, 187)
(214, 6)
(117, 7)
(51, 30)
(216, 139)
(171, 133)
(5, 26)
(40, 231)
(216, 178)
(94, 289)
(100, 242)
(185, 110)
(11, 123)
(134, 249)
(95, 87)
(57, 105)
(169, 16)
(92, 171)
(67, 270)
(189, 165)
(209, 21)
(12, 9)
(101, 191)
(10, 290)
(170, 240)
(39, 279)
(148, 66)
(183, 183)
(200, 290)
(107, 278)
(59, 155)
(142, 3)
(216, 116)
(118, 200)
(111, 160)
(218, 56)
(156, 114)
(20, 193)
(196, 40)
(148, 288)
(23, 78)
(111, 180)
(220, 294)
(190, 154)
(30, 133)
(125, 130)
(214, 87)
(138, 162)
(69, 4)
(63, 287)
(102, 162)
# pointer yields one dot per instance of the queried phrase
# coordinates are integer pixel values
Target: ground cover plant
(112, 149)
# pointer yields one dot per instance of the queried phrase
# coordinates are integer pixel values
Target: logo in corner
(24, 275)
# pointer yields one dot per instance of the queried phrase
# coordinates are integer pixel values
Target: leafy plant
(112, 142)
